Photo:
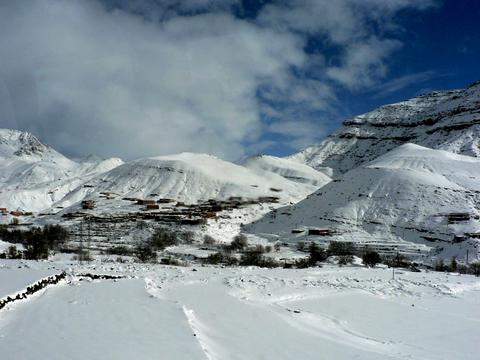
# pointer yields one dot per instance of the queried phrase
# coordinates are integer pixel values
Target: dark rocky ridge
(448, 120)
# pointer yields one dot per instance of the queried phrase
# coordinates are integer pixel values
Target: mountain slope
(403, 196)
(34, 176)
(288, 169)
(189, 177)
(448, 120)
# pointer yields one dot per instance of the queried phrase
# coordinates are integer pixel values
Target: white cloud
(112, 83)
(401, 82)
(363, 63)
(96, 79)
(350, 25)
(299, 133)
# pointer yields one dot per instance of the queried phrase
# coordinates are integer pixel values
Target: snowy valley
(363, 246)
(403, 178)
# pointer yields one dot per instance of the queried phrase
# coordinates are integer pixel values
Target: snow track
(249, 313)
(98, 320)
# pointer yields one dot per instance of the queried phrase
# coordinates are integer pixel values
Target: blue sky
(441, 46)
(228, 77)
(440, 50)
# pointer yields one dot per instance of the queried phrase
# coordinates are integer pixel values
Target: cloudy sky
(230, 77)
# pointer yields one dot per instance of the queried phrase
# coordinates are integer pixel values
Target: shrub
(251, 258)
(214, 259)
(268, 249)
(187, 237)
(221, 258)
(141, 225)
(397, 261)
(340, 248)
(371, 258)
(260, 249)
(239, 242)
(13, 253)
(37, 246)
(256, 258)
(82, 255)
(37, 241)
(145, 253)
(439, 265)
(162, 238)
(119, 250)
(474, 268)
(170, 261)
(268, 262)
(345, 259)
(55, 235)
(462, 269)
(301, 246)
(453, 265)
(208, 240)
(316, 254)
(120, 260)
(302, 263)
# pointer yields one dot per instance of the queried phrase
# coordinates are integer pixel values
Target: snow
(446, 120)
(37, 178)
(246, 313)
(107, 320)
(34, 176)
(13, 280)
(289, 169)
(188, 177)
(398, 200)
(397, 171)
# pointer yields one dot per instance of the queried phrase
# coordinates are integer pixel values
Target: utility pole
(467, 257)
(393, 270)
(393, 266)
(89, 237)
(80, 246)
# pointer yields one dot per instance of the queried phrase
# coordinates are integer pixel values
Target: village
(98, 230)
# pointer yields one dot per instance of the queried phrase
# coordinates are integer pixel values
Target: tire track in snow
(320, 325)
(197, 329)
(153, 289)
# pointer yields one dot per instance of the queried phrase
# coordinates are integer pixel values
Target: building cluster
(4, 211)
(168, 211)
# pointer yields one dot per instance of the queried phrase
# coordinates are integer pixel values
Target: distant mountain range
(387, 189)
(405, 176)
(448, 120)
(35, 177)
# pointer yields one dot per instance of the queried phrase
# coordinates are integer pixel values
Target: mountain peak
(21, 144)
(446, 120)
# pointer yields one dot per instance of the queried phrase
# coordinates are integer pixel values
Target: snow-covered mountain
(448, 120)
(34, 176)
(190, 177)
(386, 190)
(288, 169)
(411, 194)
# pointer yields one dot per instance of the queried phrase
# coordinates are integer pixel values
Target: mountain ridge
(448, 120)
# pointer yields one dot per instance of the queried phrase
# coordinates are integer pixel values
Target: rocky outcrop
(448, 120)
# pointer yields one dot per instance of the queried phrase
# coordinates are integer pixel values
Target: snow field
(247, 313)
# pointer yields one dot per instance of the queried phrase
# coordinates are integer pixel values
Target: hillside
(34, 176)
(289, 169)
(406, 198)
(190, 177)
(447, 120)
